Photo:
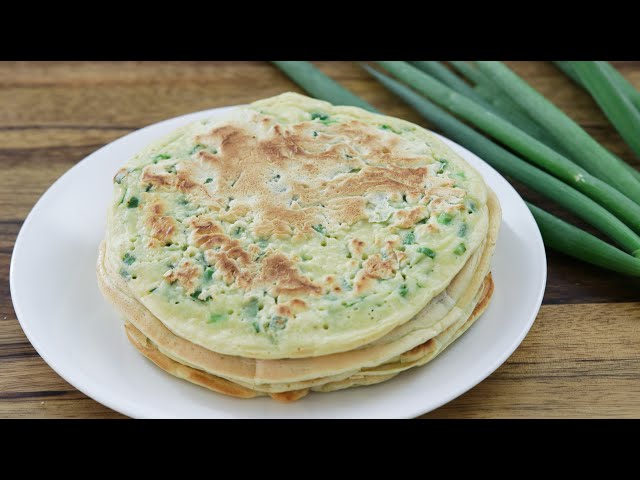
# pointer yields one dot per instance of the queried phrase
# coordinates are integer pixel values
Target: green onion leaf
(319, 228)
(216, 317)
(128, 258)
(445, 218)
(460, 249)
(410, 238)
(427, 251)
(161, 156)
(197, 148)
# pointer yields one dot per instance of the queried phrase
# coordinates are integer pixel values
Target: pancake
(399, 352)
(227, 387)
(292, 229)
(433, 319)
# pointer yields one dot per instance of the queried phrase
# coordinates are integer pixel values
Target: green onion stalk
(588, 153)
(502, 104)
(566, 238)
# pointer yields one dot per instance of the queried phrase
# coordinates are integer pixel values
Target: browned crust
(186, 274)
(279, 270)
(312, 189)
(204, 379)
(198, 377)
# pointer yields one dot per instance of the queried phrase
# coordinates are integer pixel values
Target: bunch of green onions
(553, 155)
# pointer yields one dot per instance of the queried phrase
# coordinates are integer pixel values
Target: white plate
(56, 299)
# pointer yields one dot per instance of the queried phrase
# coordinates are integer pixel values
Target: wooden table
(581, 358)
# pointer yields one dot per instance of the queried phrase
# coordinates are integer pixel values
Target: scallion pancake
(293, 228)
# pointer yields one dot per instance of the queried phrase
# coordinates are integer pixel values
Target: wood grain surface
(581, 358)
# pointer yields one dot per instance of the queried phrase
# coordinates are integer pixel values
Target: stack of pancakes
(295, 246)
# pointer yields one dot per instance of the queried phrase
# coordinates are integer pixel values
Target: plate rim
(124, 407)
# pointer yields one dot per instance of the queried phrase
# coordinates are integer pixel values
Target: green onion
(613, 102)
(470, 72)
(410, 238)
(509, 164)
(569, 72)
(128, 258)
(427, 251)
(133, 202)
(623, 84)
(520, 141)
(197, 148)
(445, 218)
(503, 105)
(250, 309)
(317, 84)
(577, 243)
(390, 128)
(319, 116)
(460, 249)
(403, 290)
(208, 180)
(583, 149)
(446, 76)
(216, 317)
(319, 228)
(208, 273)
(162, 156)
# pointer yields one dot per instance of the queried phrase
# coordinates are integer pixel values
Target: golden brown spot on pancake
(408, 218)
(393, 242)
(298, 305)
(378, 179)
(277, 220)
(187, 275)
(432, 228)
(151, 174)
(356, 246)
(332, 284)
(245, 279)
(283, 311)
(207, 233)
(237, 253)
(279, 271)
(184, 183)
(236, 211)
(161, 227)
(225, 265)
(375, 268)
(345, 210)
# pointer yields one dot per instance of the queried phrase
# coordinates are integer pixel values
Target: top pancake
(293, 228)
